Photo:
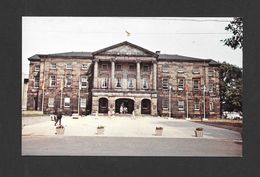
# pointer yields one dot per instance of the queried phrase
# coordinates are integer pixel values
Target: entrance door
(125, 102)
(36, 103)
(146, 106)
(103, 105)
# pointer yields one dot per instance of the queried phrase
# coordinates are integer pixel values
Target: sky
(193, 37)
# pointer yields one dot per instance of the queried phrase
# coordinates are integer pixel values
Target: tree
(230, 87)
(236, 27)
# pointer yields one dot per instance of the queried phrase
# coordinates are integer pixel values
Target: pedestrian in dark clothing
(59, 116)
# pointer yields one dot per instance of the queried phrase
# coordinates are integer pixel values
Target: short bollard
(100, 130)
(60, 130)
(158, 131)
(199, 132)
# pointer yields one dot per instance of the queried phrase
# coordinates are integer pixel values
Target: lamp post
(170, 88)
(187, 102)
(79, 96)
(61, 90)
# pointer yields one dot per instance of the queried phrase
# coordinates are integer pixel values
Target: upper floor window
(165, 68)
(145, 68)
(51, 102)
(36, 81)
(180, 69)
(37, 68)
(68, 66)
(52, 80)
(84, 66)
(130, 83)
(196, 70)
(132, 67)
(211, 72)
(53, 66)
(68, 81)
(118, 67)
(211, 86)
(195, 85)
(165, 83)
(66, 102)
(145, 83)
(180, 84)
(180, 105)
(118, 82)
(104, 66)
(104, 83)
(84, 82)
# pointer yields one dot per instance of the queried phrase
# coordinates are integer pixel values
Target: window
(165, 103)
(51, 102)
(68, 66)
(196, 105)
(36, 81)
(145, 83)
(165, 83)
(84, 66)
(104, 67)
(211, 86)
(145, 68)
(132, 67)
(165, 68)
(180, 69)
(104, 83)
(52, 81)
(118, 67)
(37, 68)
(180, 84)
(67, 102)
(196, 70)
(68, 81)
(84, 82)
(118, 83)
(181, 105)
(83, 102)
(196, 85)
(211, 106)
(53, 65)
(130, 83)
(211, 72)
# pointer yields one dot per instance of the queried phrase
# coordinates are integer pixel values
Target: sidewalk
(126, 127)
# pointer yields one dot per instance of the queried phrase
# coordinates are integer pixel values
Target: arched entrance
(103, 105)
(146, 106)
(125, 102)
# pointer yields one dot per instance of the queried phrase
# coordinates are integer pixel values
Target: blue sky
(194, 37)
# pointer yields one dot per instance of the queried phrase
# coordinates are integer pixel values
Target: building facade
(125, 74)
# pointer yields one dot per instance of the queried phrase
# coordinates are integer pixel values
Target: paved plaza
(124, 136)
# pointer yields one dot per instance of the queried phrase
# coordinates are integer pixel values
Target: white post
(204, 105)
(170, 101)
(43, 85)
(79, 96)
(187, 103)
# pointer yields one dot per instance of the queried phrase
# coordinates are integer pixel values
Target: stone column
(138, 77)
(154, 75)
(112, 73)
(96, 74)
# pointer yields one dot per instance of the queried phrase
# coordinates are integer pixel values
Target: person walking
(58, 119)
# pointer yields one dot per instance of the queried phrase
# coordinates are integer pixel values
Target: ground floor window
(83, 102)
(196, 105)
(165, 103)
(66, 102)
(51, 102)
(181, 105)
(211, 106)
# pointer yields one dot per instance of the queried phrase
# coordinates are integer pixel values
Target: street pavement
(124, 136)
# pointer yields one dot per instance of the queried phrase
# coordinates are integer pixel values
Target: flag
(127, 33)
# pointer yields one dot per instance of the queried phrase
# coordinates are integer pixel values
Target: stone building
(124, 75)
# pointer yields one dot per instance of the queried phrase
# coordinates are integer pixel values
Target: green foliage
(236, 27)
(231, 87)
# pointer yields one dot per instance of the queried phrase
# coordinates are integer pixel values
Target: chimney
(158, 52)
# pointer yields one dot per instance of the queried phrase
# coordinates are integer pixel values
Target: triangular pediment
(125, 48)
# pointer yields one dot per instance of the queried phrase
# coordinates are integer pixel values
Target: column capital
(112, 59)
(96, 60)
(138, 60)
(154, 61)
